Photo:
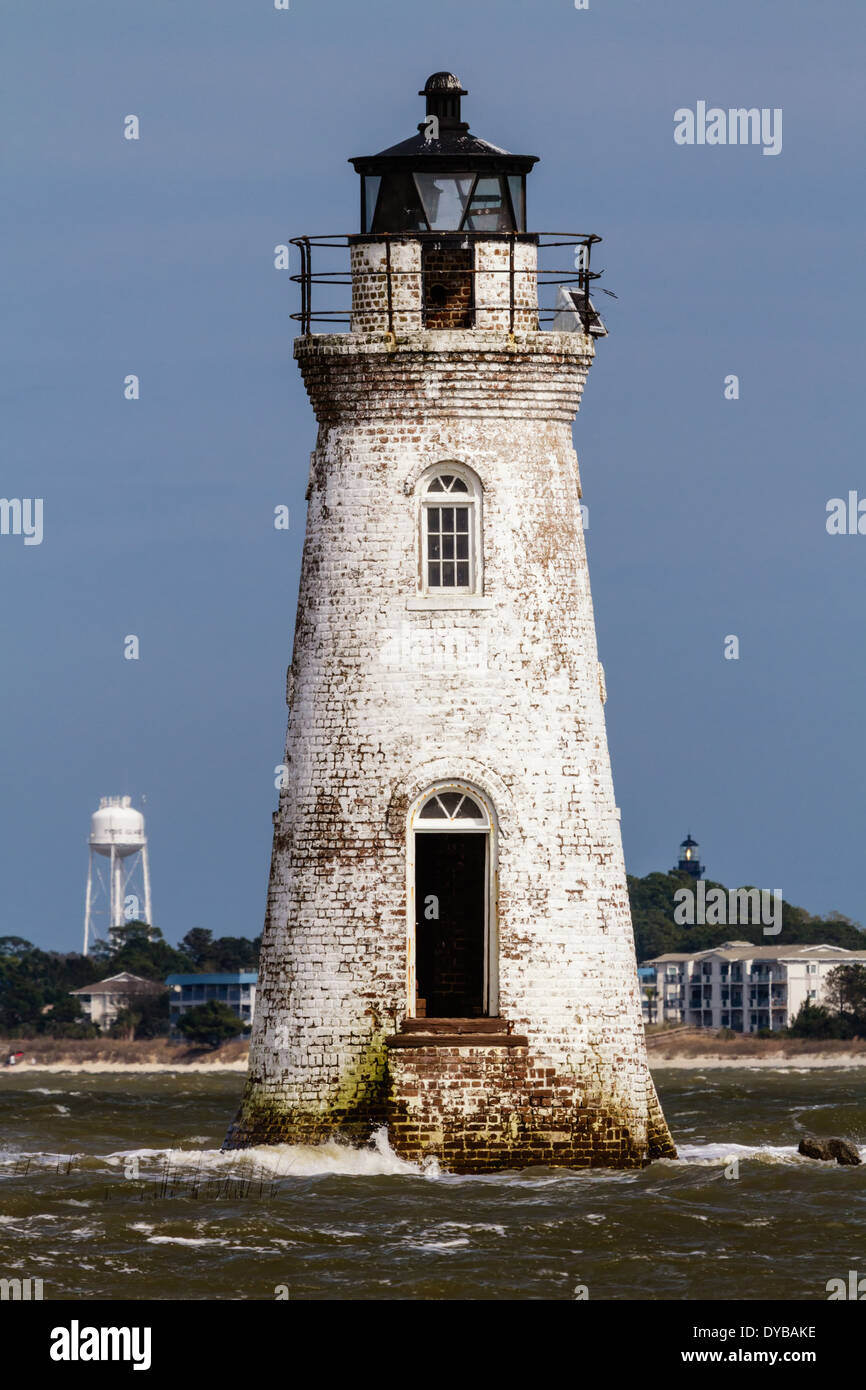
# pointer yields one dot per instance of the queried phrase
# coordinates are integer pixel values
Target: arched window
(451, 531)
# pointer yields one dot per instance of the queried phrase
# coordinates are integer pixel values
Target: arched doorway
(453, 966)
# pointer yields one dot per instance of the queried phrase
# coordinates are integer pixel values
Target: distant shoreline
(119, 1068)
(695, 1049)
(777, 1062)
(674, 1050)
(95, 1056)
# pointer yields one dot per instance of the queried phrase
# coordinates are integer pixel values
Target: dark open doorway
(450, 902)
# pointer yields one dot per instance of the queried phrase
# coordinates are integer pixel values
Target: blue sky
(707, 516)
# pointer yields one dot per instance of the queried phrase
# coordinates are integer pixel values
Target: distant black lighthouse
(689, 862)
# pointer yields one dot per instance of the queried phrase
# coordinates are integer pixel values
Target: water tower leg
(87, 899)
(115, 905)
(145, 868)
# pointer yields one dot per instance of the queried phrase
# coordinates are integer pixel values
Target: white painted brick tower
(448, 948)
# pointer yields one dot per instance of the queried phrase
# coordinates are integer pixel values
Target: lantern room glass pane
(517, 189)
(489, 211)
(372, 183)
(444, 199)
(399, 207)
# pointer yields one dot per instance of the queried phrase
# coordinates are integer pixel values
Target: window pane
(448, 574)
(371, 193)
(431, 810)
(432, 518)
(462, 547)
(434, 550)
(471, 810)
(463, 575)
(462, 523)
(458, 485)
(437, 485)
(399, 207)
(448, 547)
(447, 518)
(488, 211)
(433, 576)
(444, 199)
(515, 184)
(451, 800)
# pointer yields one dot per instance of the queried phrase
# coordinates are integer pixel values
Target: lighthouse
(448, 950)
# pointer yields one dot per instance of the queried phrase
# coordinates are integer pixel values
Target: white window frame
(472, 499)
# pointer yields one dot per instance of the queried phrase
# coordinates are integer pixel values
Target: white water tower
(116, 834)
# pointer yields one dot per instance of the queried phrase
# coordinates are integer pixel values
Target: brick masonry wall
(477, 1109)
(374, 720)
(415, 266)
(448, 270)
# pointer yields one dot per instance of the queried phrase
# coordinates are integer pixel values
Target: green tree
(146, 1016)
(226, 953)
(67, 1019)
(211, 1023)
(198, 945)
(15, 946)
(815, 1021)
(656, 932)
(845, 992)
(141, 950)
(21, 1004)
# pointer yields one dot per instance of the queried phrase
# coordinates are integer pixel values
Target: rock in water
(828, 1149)
(814, 1148)
(842, 1151)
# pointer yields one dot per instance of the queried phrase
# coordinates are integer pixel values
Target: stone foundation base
(476, 1109)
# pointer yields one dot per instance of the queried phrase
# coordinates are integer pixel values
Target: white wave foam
(722, 1153)
(271, 1162)
(186, 1240)
(437, 1244)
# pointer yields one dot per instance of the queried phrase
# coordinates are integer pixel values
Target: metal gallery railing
(579, 275)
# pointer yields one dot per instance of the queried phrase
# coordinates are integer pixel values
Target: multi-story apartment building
(237, 988)
(738, 985)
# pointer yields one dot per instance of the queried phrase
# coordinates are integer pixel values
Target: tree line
(656, 932)
(35, 985)
(842, 1014)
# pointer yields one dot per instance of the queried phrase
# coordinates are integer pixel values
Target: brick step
(454, 1025)
(439, 1039)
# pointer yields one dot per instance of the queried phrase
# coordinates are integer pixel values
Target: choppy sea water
(114, 1187)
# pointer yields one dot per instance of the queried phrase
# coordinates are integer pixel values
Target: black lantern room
(689, 861)
(443, 179)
